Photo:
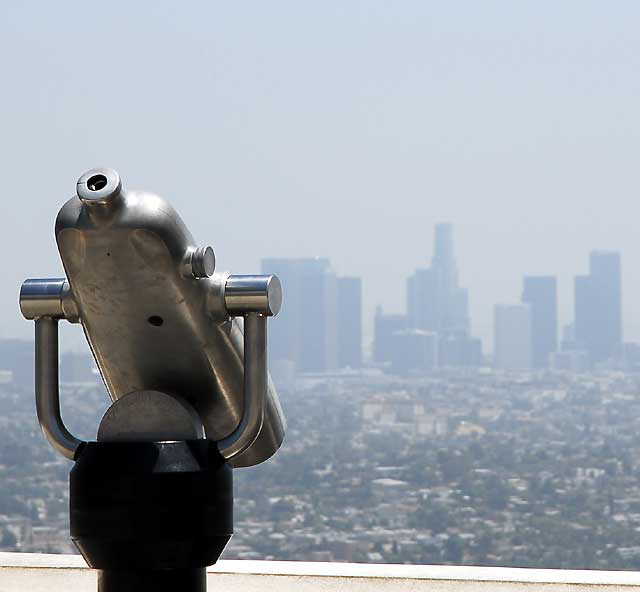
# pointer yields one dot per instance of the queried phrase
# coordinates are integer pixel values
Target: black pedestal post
(164, 580)
(151, 515)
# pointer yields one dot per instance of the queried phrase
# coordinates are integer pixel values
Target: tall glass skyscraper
(306, 331)
(540, 293)
(435, 302)
(349, 308)
(320, 325)
(385, 327)
(598, 306)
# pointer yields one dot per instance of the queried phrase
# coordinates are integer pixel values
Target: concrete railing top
(37, 572)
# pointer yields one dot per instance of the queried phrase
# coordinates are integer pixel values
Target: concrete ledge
(68, 573)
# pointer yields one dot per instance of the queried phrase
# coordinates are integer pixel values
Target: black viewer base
(151, 515)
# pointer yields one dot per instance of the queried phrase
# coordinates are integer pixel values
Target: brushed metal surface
(150, 325)
(47, 389)
(150, 416)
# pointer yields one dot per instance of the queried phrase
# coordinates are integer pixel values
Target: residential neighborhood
(476, 466)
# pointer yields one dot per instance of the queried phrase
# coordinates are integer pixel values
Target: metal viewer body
(151, 500)
(158, 317)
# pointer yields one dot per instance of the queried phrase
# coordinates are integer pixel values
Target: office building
(385, 326)
(286, 330)
(582, 307)
(569, 361)
(512, 336)
(540, 293)
(598, 307)
(413, 350)
(305, 332)
(435, 302)
(420, 294)
(459, 351)
(319, 328)
(349, 308)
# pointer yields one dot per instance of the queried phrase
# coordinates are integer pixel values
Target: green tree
(8, 540)
(454, 549)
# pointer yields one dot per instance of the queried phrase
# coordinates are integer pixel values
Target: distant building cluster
(320, 327)
(435, 331)
(526, 334)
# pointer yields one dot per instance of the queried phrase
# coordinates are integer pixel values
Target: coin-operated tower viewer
(151, 499)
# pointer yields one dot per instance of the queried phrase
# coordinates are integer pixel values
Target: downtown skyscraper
(349, 312)
(435, 302)
(306, 331)
(598, 307)
(541, 294)
(386, 326)
(319, 328)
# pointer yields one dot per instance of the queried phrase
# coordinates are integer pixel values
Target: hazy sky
(336, 128)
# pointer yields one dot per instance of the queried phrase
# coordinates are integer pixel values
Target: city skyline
(320, 327)
(447, 313)
(565, 294)
(518, 128)
(481, 318)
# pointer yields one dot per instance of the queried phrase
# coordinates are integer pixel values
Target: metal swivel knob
(203, 262)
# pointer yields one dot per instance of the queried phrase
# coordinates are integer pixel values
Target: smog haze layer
(336, 129)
